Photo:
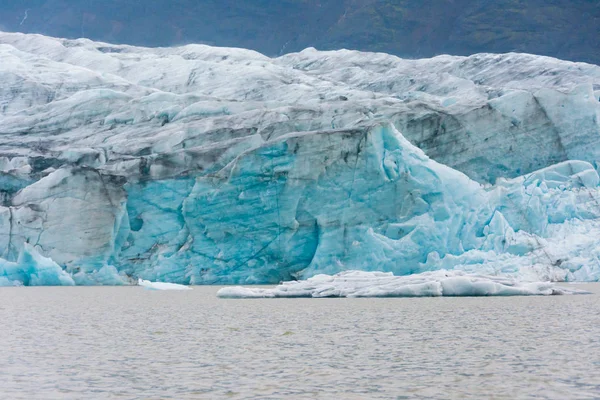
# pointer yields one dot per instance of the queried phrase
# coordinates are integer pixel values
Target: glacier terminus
(205, 165)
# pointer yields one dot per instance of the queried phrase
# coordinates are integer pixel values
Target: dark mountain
(568, 29)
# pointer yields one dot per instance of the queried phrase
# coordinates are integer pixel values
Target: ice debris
(161, 285)
(385, 284)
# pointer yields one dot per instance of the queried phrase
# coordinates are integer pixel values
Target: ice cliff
(211, 165)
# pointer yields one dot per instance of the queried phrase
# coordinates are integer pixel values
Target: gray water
(129, 343)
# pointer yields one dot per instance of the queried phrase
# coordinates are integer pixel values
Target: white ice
(161, 285)
(385, 284)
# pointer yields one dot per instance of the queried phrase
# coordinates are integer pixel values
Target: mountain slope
(567, 29)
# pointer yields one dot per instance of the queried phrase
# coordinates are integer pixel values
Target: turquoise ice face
(311, 203)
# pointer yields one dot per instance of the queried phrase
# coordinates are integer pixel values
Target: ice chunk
(564, 175)
(380, 284)
(161, 285)
(33, 269)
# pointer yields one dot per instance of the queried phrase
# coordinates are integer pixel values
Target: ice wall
(316, 202)
(207, 165)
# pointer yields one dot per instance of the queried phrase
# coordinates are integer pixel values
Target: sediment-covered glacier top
(198, 164)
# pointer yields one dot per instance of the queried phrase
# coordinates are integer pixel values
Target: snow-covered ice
(161, 285)
(385, 284)
(203, 165)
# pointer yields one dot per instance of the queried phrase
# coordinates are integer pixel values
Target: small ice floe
(161, 285)
(384, 284)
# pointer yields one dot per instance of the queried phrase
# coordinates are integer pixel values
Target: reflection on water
(73, 343)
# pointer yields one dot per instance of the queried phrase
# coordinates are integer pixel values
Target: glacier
(204, 165)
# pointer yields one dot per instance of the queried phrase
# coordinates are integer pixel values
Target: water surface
(130, 343)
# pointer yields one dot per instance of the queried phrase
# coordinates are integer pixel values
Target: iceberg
(203, 165)
(33, 269)
(385, 284)
(161, 285)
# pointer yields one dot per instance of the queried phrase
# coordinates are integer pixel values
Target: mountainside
(198, 164)
(567, 29)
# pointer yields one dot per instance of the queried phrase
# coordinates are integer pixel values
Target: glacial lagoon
(131, 343)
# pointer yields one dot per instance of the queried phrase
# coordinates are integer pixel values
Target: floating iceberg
(384, 284)
(202, 165)
(161, 285)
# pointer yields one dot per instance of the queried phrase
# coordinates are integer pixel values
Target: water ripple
(128, 343)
